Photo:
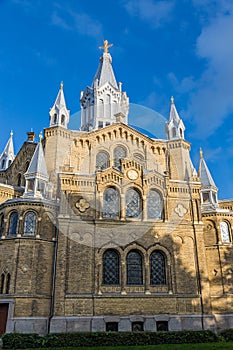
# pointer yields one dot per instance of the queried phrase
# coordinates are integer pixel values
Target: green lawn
(204, 346)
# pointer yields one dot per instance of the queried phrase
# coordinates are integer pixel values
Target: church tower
(175, 127)
(103, 103)
(59, 114)
(7, 156)
(209, 199)
(36, 176)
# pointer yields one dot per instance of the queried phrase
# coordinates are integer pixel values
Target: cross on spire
(106, 46)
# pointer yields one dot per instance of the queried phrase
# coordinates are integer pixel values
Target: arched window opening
(13, 221)
(134, 268)
(3, 163)
(181, 133)
(2, 225)
(139, 157)
(8, 281)
(102, 160)
(63, 119)
(174, 132)
(119, 153)
(157, 269)
(2, 283)
(29, 224)
(55, 118)
(225, 233)
(19, 180)
(111, 268)
(111, 203)
(154, 205)
(133, 203)
(9, 162)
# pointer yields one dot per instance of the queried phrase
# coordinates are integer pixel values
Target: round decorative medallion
(132, 174)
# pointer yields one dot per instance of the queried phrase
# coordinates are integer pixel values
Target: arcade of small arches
(11, 224)
(132, 204)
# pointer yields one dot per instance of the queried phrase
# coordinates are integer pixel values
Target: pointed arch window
(157, 269)
(173, 132)
(2, 225)
(3, 163)
(19, 180)
(2, 283)
(102, 160)
(13, 221)
(154, 205)
(119, 153)
(111, 205)
(62, 119)
(134, 268)
(225, 232)
(133, 203)
(55, 118)
(111, 267)
(29, 224)
(8, 281)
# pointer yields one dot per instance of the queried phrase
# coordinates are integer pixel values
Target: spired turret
(7, 156)
(209, 191)
(101, 102)
(59, 114)
(36, 175)
(174, 127)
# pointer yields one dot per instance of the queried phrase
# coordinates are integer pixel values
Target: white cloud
(82, 22)
(154, 12)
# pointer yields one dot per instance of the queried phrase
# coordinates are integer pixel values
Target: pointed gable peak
(7, 156)
(174, 116)
(204, 173)
(37, 166)
(105, 72)
(175, 127)
(59, 114)
(60, 100)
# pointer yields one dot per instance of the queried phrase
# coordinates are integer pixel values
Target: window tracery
(134, 268)
(225, 233)
(29, 223)
(111, 267)
(111, 203)
(119, 152)
(102, 160)
(157, 269)
(154, 205)
(133, 203)
(13, 221)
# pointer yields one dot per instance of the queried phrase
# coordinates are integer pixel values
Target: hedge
(227, 334)
(81, 339)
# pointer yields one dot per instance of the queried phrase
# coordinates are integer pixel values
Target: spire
(104, 100)
(59, 114)
(36, 175)
(175, 127)
(7, 156)
(209, 190)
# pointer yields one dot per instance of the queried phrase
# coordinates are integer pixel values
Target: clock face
(132, 174)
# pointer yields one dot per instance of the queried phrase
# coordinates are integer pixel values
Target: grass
(204, 346)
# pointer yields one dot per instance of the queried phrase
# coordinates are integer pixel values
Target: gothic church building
(106, 228)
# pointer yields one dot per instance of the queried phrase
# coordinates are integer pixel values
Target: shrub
(88, 339)
(227, 334)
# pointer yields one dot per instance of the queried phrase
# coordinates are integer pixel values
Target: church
(107, 228)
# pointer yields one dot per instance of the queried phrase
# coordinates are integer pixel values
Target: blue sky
(182, 48)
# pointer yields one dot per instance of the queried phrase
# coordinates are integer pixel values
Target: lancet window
(13, 221)
(119, 153)
(133, 203)
(225, 232)
(154, 205)
(134, 268)
(29, 223)
(102, 160)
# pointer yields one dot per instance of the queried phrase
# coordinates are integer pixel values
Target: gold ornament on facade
(82, 205)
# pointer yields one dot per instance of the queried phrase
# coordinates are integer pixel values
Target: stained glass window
(134, 268)
(133, 203)
(111, 203)
(29, 223)
(13, 221)
(225, 234)
(157, 269)
(119, 152)
(111, 267)
(154, 205)
(102, 160)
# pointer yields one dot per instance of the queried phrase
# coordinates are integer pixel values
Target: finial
(11, 133)
(201, 153)
(172, 100)
(106, 46)
(40, 136)
(61, 85)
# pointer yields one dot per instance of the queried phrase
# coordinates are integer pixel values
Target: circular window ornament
(132, 174)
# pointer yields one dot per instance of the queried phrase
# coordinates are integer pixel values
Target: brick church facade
(108, 228)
